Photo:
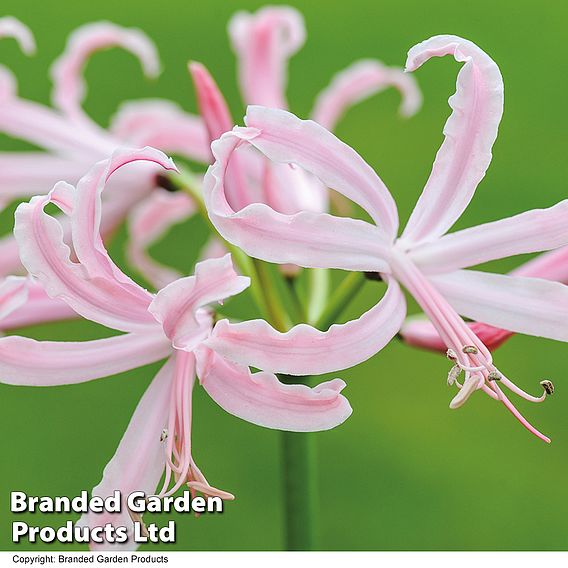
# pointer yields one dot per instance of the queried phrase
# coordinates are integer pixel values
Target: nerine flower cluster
(267, 196)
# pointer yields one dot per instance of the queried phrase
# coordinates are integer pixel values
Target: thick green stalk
(300, 485)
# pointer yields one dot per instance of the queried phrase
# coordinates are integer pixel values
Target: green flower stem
(340, 299)
(276, 314)
(298, 305)
(189, 183)
(318, 292)
(299, 468)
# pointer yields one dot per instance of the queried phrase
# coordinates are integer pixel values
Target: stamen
(548, 387)
(451, 355)
(137, 518)
(465, 349)
(453, 375)
(470, 385)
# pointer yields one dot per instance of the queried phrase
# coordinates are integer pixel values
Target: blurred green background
(404, 472)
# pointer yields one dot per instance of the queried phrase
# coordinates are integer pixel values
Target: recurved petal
(470, 132)
(12, 27)
(304, 350)
(525, 305)
(306, 239)
(263, 43)
(262, 399)
(46, 256)
(87, 211)
(178, 305)
(69, 86)
(358, 82)
(532, 231)
(164, 125)
(139, 461)
(27, 362)
(283, 137)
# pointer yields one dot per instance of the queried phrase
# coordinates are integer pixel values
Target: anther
(470, 350)
(164, 434)
(453, 375)
(493, 376)
(451, 355)
(547, 386)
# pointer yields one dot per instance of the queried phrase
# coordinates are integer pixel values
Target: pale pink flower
(428, 262)
(172, 324)
(73, 142)
(263, 43)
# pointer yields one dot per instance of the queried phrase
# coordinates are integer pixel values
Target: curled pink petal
(524, 305)
(24, 361)
(263, 43)
(360, 81)
(262, 399)
(283, 137)
(177, 306)
(139, 461)
(69, 88)
(148, 222)
(85, 222)
(46, 256)
(162, 124)
(305, 350)
(465, 154)
(306, 239)
(12, 27)
(531, 231)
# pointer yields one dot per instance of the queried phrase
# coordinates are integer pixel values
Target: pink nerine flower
(263, 43)
(172, 324)
(428, 262)
(73, 142)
